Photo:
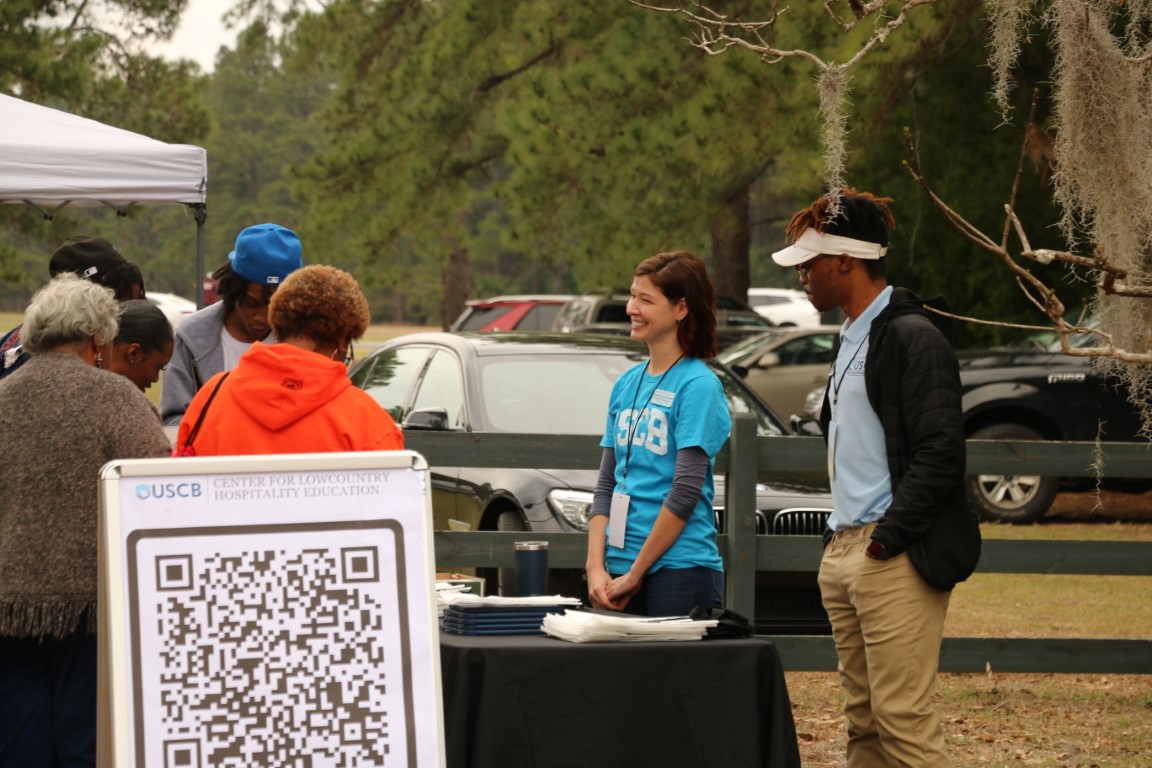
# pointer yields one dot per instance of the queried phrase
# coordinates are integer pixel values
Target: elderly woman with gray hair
(61, 419)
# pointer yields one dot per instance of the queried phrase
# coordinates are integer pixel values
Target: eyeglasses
(804, 269)
(349, 355)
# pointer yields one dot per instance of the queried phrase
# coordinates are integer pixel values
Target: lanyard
(837, 383)
(636, 424)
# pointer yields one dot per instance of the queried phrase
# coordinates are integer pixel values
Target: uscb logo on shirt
(647, 429)
(663, 397)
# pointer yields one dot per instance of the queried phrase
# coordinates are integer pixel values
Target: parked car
(560, 383)
(608, 313)
(785, 364)
(1032, 393)
(784, 306)
(174, 307)
(535, 312)
(1039, 396)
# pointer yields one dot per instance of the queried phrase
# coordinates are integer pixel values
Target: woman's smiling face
(653, 315)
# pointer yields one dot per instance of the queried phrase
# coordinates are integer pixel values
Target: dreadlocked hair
(816, 215)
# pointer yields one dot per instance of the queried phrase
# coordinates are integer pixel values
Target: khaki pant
(888, 625)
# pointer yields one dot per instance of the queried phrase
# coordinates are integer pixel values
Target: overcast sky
(200, 34)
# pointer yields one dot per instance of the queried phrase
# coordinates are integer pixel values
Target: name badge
(618, 519)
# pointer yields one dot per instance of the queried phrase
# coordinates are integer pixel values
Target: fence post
(740, 516)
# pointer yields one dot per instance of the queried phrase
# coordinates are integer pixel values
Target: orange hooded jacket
(283, 399)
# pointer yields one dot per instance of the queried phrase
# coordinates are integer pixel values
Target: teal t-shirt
(688, 409)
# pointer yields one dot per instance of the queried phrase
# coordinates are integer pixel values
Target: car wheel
(502, 581)
(1015, 499)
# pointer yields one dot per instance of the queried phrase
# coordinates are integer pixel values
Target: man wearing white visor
(902, 533)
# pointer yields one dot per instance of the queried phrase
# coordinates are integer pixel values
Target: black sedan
(542, 384)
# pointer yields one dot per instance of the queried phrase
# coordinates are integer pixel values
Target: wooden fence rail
(746, 457)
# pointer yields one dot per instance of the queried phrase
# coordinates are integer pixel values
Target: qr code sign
(277, 650)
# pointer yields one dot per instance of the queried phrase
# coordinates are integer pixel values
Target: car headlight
(573, 506)
(813, 401)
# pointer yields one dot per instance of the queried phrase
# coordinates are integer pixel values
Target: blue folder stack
(497, 619)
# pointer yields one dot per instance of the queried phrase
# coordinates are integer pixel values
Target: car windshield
(741, 401)
(568, 394)
(561, 394)
(742, 353)
(479, 317)
(1081, 340)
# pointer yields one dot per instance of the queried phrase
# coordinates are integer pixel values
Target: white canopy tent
(51, 159)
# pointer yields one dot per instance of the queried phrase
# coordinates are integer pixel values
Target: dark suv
(1037, 395)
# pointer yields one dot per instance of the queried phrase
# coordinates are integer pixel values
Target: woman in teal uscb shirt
(652, 535)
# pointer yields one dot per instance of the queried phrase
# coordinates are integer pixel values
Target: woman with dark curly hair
(294, 396)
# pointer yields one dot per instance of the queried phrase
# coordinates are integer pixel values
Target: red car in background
(533, 312)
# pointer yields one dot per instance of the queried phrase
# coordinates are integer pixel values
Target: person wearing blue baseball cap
(213, 339)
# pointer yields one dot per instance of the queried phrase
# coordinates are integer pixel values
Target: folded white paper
(444, 590)
(585, 627)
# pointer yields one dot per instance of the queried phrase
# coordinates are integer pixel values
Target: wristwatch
(876, 550)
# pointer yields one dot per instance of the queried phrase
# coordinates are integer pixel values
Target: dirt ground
(1105, 506)
(1017, 720)
(1050, 721)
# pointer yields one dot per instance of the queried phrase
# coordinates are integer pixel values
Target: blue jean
(676, 591)
(48, 702)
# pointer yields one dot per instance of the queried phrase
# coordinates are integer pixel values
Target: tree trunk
(731, 244)
(457, 284)
(398, 313)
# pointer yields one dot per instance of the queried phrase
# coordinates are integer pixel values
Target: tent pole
(200, 212)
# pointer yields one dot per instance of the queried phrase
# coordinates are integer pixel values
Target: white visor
(812, 243)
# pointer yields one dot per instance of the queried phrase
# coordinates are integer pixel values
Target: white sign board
(269, 610)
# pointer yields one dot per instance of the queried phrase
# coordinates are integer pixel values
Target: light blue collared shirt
(861, 484)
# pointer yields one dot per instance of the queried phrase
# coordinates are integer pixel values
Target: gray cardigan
(196, 357)
(62, 420)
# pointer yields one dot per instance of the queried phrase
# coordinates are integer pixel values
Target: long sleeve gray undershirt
(687, 482)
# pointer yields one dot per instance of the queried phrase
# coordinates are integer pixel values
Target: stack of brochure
(444, 588)
(593, 627)
(467, 614)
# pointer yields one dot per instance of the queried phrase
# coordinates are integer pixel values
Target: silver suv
(608, 313)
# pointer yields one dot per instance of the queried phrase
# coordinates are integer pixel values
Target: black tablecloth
(513, 701)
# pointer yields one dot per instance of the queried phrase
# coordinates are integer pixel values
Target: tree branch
(1039, 293)
(492, 81)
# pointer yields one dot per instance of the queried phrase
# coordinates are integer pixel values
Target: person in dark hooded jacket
(902, 533)
(294, 396)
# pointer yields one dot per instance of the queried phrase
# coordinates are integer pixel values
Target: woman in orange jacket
(294, 396)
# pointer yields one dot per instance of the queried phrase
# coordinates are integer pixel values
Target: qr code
(276, 655)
